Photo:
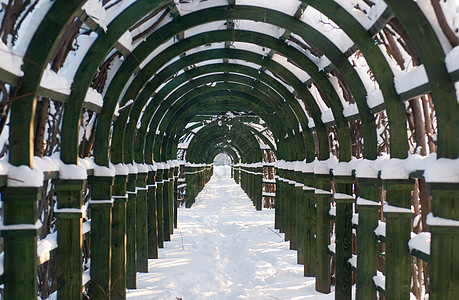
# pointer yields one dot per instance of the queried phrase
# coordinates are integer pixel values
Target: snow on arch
(288, 7)
(327, 27)
(368, 19)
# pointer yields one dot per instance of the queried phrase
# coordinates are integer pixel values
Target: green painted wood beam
(196, 107)
(258, 88)
(249, 12)
(243, 36)
(36, 59)
(192, 101)
(88, 68)
(380, 68)
(189, 75)
(442, 88)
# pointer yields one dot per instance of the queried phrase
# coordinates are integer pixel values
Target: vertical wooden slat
(323, 197)
(20, 246)
(118, 259)
(367, 252)
(398, 229)
(152, 216)
(101, 222)
(131, 253)
(343, 229)
(69, 238)
(141, 224)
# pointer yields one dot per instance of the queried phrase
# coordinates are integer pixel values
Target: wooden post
(281, 201)
(69, 237)
(131, 252)
(277, 203)
(152, 215)
(259, 188)
(292, 211)
(398, 228)
(323, 196)
(237, 174)
(310, 228)
(367, 251)
(190, 186)
(20, 244)
(286, 208)
(160, 204)
(176, 176)
(141, 226)
(118, 261)
(300, 218)
(444, 254)
(101, 221)
(166, 204)
(343, 227)
(171, 199)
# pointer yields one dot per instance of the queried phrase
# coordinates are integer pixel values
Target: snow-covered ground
(224, 249)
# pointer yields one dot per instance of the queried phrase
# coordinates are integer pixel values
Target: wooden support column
(367, 251)
(160, 204)
(171, 199)
(190, 186)
(444, 254)
(286, 207)
(398, 229)
(101, 204)
(259, 187)
(310, 224)
(167, 220)
(19, 232)
(237, 173)
(175, 188)
(152, 215)
(323, 197)
(69, 237)
(141, 226)
(282, 201)
(131, 251)
(343, 227)
(292, 211)
(118, 260)
(300, 220)
(278, 203)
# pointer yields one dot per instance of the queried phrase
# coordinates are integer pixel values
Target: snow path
(224, 249)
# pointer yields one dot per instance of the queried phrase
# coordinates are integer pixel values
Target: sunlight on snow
(224, 249)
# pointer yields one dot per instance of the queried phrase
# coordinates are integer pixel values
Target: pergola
(200, 78)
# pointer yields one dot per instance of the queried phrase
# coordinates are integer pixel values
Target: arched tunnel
(341, 115)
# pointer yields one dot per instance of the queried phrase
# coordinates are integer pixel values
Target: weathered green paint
(300, 218)
(152, 216)
(20, 246)
(444, 259)
(141, 223)
(323, 198)
(118, 258)
(101, 222)
(367, 251)
(310, 229)
(343, 228)
(131, 252)
(69, 238)
(166, 206)
(160, 206)
(398, 230)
